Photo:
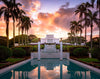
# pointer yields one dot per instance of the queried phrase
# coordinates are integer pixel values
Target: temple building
(49, 39)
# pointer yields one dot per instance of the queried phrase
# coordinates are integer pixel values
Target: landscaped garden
(9, 56)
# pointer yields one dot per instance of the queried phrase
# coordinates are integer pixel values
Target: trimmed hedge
(96, 53)
(28, 49)
(5, 53)
(19, 52)
(35, 48)
(80, 52)
(70, 49)
(64, 47)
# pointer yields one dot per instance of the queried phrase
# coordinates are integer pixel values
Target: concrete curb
(85, 66)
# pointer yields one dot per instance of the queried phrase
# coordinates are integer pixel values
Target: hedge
(80, 52)
(96, 53)
(19, 52)
(5, 53)
(70, 49)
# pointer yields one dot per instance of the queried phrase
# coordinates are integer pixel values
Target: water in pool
(50, 69)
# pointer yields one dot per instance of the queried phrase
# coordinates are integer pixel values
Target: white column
(61, 52)
(90, 56)
(39, 50)
(68, 55)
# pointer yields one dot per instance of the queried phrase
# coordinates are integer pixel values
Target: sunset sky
(49, 16)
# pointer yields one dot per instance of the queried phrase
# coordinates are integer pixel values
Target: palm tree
(76, 27)
(82, 10)
(98, 6)
(14, 12)
(92, 18)
(27, 25)
(6, 10)
(20, 22)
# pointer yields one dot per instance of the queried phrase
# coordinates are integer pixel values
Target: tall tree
(92, 17)
(14, 12)
(76, 27)
(28, 26)
(20, 22)
(6, 10)
(82, 10)
(98, 7)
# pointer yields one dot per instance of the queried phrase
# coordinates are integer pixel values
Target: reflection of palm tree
(92, 18)
(98, 6)
(6, 10)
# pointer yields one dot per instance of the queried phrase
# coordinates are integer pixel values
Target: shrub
(42, 46)
(28, 49)
(4, 53)
(80, 52)
(96, 53)
(3, 42)
(57, 46)
(72, 48)
(35, 48)
(19, 52)
(64, 48)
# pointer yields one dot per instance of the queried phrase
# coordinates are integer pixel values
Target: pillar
(61, 50)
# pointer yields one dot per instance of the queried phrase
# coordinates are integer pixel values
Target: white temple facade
(49, 39)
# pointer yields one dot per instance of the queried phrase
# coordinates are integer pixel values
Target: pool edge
(85, 66)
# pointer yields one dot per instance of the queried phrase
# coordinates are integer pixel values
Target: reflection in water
(50, 69)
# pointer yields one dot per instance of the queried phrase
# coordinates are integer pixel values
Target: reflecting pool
(50, 69)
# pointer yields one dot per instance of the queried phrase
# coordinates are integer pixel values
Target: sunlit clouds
(46, 22)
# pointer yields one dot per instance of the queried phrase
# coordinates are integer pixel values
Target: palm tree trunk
(91, 35)
(80, 38)
(25, 37)
(7, 33)
(99, 35)
(99, 27)
(22, 36)
(76, 39)
(14, 33)
(19, 36)
(85, 34)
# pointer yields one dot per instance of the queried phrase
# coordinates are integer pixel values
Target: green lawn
(88, 60)
(2, 64)
(12, 60)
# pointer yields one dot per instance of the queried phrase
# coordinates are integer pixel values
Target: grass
(88, 60)
(2, 64)
(13, 60)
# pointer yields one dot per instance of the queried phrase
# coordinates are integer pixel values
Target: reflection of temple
(49, 39)
(67, 70)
